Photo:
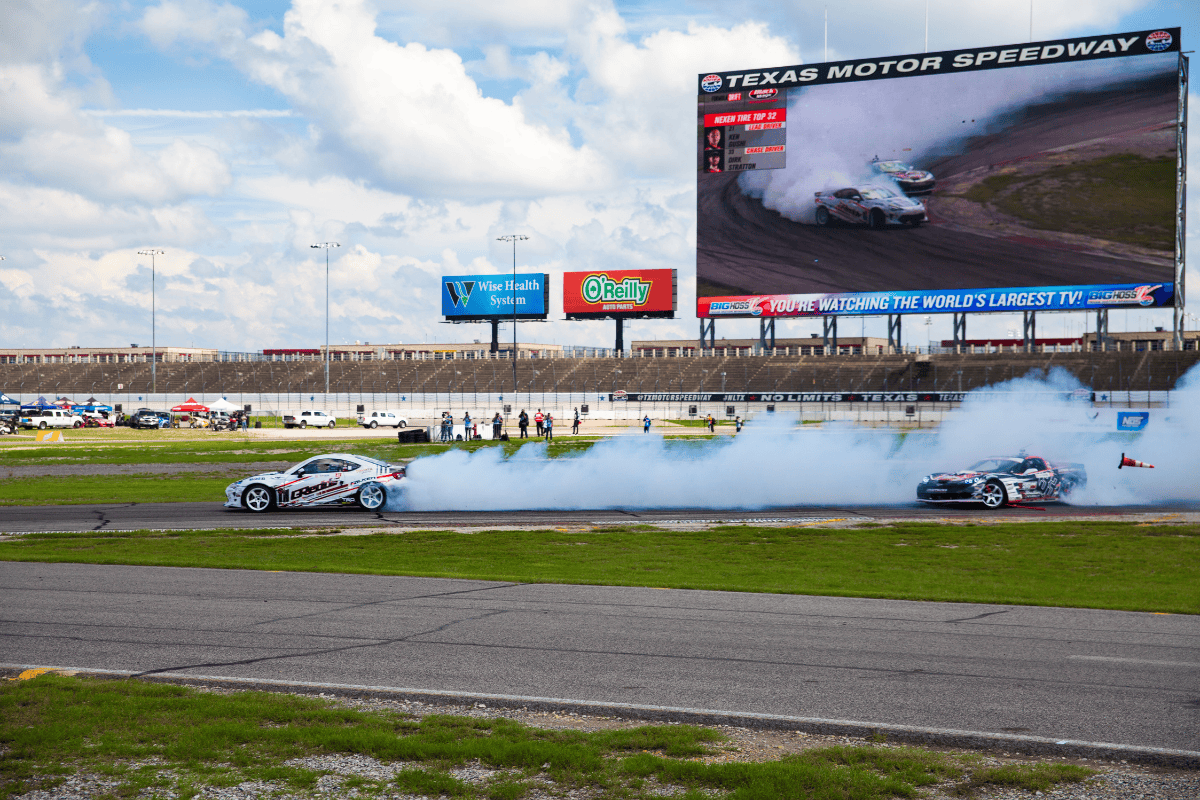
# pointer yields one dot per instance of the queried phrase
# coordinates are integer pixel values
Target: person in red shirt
(539, 419)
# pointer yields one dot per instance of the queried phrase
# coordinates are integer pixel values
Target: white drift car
(334, 479)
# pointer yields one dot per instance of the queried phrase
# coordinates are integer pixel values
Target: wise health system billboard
(488, 297)
(1034, 176)
(620, 294)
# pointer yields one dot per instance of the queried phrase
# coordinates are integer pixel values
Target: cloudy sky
(235, 135)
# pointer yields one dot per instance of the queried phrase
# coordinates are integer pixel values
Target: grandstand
(1150, 370)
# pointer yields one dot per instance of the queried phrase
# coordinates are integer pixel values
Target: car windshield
(892, 166)
(995, 465)
(876, 193)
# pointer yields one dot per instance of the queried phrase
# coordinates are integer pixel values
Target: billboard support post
(960, 329)
(620, 348)
(1101, 326)
(514, 238)
(894, 337)
(829, 323)
(766, 329)
(1181, 201)
(708, 327)
(1029, 329)
(495, 336)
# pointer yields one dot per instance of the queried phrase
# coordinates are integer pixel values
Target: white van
(373, 419)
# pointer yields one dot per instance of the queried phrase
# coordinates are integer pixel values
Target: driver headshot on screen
(712, 139)
(714, 164)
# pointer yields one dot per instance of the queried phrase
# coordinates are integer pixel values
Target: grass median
(1107, 565)
(134, 739)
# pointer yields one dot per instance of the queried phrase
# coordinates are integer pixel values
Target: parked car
(331, 479)
(146, 418)
(373, 419)
(50, 418)
(317, 419)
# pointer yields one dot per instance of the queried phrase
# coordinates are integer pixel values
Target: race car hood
(912, 175)
(954, 477)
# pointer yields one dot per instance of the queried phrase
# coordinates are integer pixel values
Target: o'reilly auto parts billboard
(1035, 176)
(487, 297)
(621, 293)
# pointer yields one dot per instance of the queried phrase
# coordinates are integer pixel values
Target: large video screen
(487, 297)
(1035, 176)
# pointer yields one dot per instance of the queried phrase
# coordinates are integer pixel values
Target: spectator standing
(737, 421)
(646, 424)
(523, 424)
(548, 426)
(245, 422)
(539, 419)
(497, 424)
(467, 426)
(575, 424)
(712, 424)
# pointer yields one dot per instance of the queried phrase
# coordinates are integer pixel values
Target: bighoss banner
(490, 296)
(620, 293)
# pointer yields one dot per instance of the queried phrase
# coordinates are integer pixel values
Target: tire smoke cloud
(775, 463)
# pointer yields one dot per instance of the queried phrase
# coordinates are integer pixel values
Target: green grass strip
(1111, 565)
(54, 725)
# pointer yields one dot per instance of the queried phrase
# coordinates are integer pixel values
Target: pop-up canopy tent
(191, 407)
(41, 404)
(222, 405)
(5, 400)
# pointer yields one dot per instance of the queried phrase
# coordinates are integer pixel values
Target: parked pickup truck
(317, 419)
(50, 418)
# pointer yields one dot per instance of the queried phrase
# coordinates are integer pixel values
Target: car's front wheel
(77, 424)
(877, 220)
(372, 496)
(258, 498)
(993, 495)
(402, 424)
(332, 424)
(822, 215)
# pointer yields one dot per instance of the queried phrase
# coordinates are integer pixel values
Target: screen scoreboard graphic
(620, 294)
(487, 297)
(1035, 176)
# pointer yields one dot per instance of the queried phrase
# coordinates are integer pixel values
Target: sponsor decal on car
(291, 495)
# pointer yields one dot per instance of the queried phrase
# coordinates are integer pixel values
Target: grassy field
(1085, 565)
(156, 740)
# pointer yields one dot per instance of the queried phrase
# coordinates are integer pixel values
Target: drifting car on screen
(910, 179)
(999, 480)
(875, 206)
(333, 479)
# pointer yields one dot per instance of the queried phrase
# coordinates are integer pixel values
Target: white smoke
(773, 463)
(834, 130)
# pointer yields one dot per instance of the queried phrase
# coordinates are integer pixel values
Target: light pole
(325, 246)
(152, 252)
(514, 238)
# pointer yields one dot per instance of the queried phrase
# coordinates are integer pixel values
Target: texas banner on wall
(621, 293)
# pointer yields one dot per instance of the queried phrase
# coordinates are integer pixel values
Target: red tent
(190, 407)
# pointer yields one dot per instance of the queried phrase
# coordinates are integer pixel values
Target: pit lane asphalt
(186, 516)
(1068, 674)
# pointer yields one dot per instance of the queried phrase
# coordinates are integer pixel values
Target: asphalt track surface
(752, 250)
(203, 516)
(1070, 674)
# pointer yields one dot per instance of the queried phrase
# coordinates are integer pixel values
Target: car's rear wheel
(993, 495)
(258, 498)
(42, 426)
(374, 424)
(877, 220)
(372, 496)
(822, 215)
(303, 424)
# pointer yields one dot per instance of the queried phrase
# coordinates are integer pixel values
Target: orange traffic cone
(1129, 462)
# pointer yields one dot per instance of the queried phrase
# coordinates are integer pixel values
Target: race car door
(317, 480)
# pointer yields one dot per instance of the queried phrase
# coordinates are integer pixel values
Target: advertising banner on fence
(788, 397)
(1040, 298)
(619, 293)
(486, 297)
(936, 182)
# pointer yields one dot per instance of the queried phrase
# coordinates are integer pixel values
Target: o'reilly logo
(460, 292)
(603, 289)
